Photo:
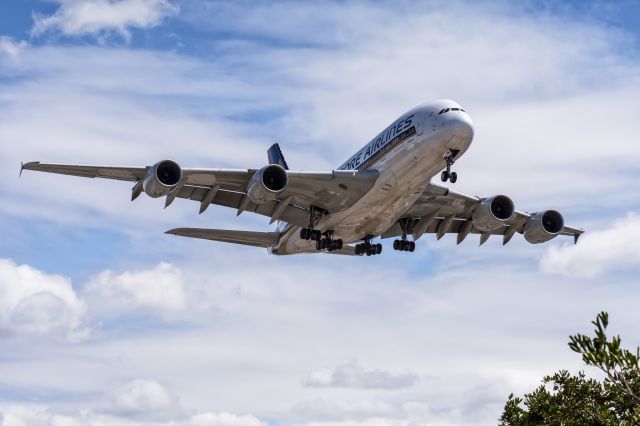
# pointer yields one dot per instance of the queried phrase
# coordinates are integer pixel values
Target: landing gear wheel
(339, 245)
(378, 248)
(318, 245)
(412, 246)
(396, 245)
(304, 233)
(444, 176)
(453, 177)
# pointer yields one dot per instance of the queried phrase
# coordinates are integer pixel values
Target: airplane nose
(461, 126)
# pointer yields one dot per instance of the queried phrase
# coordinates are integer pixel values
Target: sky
(105, 320)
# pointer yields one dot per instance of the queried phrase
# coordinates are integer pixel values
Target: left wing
(324, 191)
(441, 210)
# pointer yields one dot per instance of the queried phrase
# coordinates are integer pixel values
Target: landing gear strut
(448, 174)
(367, 248)
(403, 244)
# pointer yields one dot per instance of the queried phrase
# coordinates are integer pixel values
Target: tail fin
(275, 156)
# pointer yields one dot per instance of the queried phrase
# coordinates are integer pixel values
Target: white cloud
(597, 251)
(101, 17)
(320, 409)
(10, 47)
(32, 302)
(43, 415)
(159, 289)
(353, 375)
(224, 419)
(144, 399)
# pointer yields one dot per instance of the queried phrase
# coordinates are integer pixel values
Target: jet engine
(266, 183)
(161, 178)
(492, 213)
(543, 226)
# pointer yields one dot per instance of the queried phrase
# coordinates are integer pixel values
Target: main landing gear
(403, 244)
(324, 240)
(448, 174)
(326, 243)
(368, 248)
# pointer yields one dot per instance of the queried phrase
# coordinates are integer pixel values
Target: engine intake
(492, 213)
(266, 183)
(543, 226)
(161, 178)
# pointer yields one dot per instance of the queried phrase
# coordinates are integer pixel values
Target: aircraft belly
(404, 174)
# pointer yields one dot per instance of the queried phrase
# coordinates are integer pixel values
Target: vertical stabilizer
(275, 156)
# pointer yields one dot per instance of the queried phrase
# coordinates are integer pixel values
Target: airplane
(383, 190)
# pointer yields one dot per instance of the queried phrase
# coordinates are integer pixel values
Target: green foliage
(565, 399)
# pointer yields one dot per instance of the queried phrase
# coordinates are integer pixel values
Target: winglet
(576, 236)
(31, 165)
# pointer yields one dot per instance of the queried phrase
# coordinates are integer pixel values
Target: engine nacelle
(492, 213)
(543, 226)
(266, 183)
(162, 178)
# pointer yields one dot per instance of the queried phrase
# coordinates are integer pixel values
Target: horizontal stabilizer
(247, 238)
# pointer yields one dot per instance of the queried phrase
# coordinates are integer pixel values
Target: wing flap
(248, 238)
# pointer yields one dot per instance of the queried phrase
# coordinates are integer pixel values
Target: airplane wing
(330, 191)
(441, 210)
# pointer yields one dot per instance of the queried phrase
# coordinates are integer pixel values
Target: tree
(565, 399)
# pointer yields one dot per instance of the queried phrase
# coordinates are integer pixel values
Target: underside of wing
(248, 238)
(270, 191)
(440, 211)
(107, 172)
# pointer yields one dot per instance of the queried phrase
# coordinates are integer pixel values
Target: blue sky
(105, 320)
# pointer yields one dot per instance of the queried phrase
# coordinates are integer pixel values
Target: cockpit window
(446, 110)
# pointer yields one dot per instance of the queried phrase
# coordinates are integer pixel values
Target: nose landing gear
(448, 174)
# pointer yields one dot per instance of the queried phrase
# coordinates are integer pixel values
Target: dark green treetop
(565, 399)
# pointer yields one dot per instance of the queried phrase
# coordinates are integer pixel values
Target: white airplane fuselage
(407, 154)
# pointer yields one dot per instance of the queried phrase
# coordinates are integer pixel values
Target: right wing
(328, 191)
(440, 210)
